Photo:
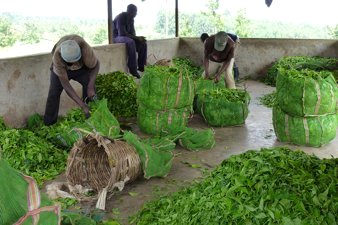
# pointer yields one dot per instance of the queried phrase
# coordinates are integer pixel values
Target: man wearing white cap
(219, 53)
(73, 59)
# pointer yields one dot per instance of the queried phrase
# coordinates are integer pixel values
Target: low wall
(25, 80)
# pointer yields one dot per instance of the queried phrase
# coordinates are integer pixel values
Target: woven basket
(98, 163)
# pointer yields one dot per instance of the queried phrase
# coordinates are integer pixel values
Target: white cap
(70, 51)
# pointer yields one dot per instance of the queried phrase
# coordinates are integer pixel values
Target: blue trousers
(134, 47)
(55, 90)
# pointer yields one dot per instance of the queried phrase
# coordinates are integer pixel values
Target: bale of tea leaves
(163, 88)
(162, 122)
(312, 131)
(223, 107)
(306, 92)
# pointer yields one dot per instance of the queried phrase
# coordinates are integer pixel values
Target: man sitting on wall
(219, 57)
(124, 32)
(73, 59)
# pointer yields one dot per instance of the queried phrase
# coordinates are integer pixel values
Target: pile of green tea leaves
(184, 62)
(270, 186)
(36, 150)
(269, 100)
(120, 90)
(300, 63)
(32, 155)
(230, 95)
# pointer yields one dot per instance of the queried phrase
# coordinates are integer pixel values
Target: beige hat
(221, 39)
(70, 51)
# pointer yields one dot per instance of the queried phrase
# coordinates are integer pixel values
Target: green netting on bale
(197, 139)
(160, 143)
(155, 163)
(14, 199)
(164, 88)
(169, 121)
(309, 131)
(223, 107)
(101, 121)
(306, 92)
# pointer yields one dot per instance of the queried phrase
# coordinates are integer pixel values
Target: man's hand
(217, 78)
(142, 38)
(85, 109)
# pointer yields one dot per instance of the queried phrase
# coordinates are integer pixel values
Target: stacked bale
(306, 109)
(165, 97)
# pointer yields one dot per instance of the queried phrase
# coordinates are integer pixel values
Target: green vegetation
(269, 100)
(270, 186)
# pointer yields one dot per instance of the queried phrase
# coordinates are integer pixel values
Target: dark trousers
(132, 48)
(55, 90)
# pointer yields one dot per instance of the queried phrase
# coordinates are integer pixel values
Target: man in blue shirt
(124, 32)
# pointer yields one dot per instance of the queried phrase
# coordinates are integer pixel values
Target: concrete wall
(25, 80)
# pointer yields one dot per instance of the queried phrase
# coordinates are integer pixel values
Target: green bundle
(306, 92)
(311, 131)
(163, 88)
(157, 122)
(155, 162)
(223, 107)
(19, 193)
(195, 140)
(101, 121)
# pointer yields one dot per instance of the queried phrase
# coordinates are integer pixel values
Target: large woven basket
(98, 163)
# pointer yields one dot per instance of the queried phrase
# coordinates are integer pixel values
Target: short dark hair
(204, 36)
(131, 8)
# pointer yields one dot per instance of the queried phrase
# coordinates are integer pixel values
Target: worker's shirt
(220, 57)
(123, 25)
(88, 57)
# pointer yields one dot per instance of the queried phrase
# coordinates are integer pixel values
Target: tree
(214, 19)
(32, 33)
(100, 36)
(242, 24)
(333, 31)
(7, 35)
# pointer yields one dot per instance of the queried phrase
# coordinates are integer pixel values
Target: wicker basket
(98, 163)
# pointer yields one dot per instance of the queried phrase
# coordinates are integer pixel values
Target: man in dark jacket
(73, 59)
(124, 32)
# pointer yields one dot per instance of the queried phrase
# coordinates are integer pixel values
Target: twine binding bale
(102, 164)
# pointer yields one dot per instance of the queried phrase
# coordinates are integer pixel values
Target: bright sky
(322, 12)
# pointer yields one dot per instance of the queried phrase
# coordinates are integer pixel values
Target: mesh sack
(195, 140)
(312, 131)
(164, 88)
(155, 162)
(306, 92)
(223, 107)
(21, 202)
(101, 121)
(169, 121)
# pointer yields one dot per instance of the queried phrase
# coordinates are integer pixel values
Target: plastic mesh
(306, 93)
(311, 131)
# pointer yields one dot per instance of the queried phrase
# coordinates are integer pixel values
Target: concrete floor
(188, 166)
